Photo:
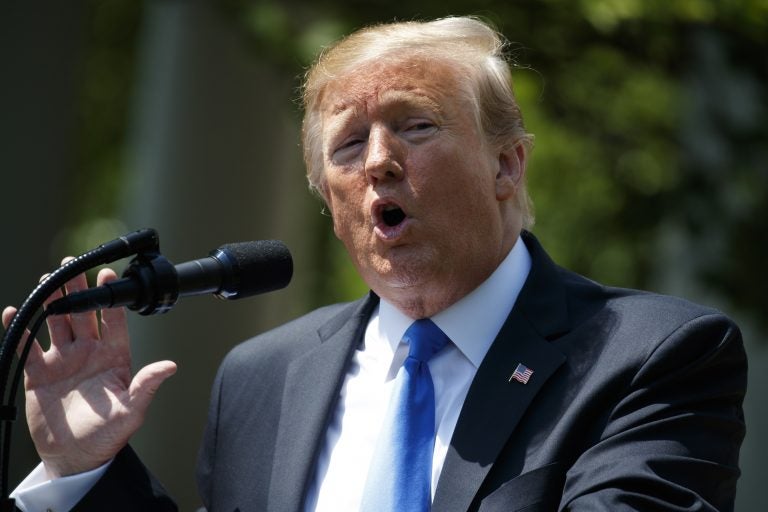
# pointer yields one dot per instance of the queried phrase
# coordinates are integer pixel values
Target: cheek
(345, 202)
(464, 198)
(458, 183)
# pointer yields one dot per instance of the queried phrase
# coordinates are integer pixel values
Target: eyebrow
(341, 107)
(409, 96)
(392, 98)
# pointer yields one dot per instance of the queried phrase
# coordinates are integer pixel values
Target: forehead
(410, 82)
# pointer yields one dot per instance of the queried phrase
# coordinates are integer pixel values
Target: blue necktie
(400, 475)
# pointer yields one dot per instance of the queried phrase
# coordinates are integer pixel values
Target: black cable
(136, 242)
(11, 405)
(23, 357)
(132, 243)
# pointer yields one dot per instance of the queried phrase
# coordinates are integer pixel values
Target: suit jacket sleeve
(127, 486)
(672, 442)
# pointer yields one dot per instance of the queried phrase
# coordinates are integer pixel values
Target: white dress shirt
(472, 324)
(39, 493)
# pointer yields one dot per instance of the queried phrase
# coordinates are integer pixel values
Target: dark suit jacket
(634, 404)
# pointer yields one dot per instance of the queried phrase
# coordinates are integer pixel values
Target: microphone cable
(9, 409)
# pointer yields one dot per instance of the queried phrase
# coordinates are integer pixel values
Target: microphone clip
(157, 282)
(149, 286)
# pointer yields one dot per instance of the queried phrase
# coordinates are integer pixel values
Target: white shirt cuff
(38, 493)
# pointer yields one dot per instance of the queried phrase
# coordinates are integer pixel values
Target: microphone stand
(143, 241)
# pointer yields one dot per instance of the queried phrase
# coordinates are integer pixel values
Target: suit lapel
(494, 404)
(313, 384)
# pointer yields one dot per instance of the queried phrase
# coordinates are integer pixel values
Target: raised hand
(82, 402)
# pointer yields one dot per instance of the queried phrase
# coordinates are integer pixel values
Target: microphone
(151, 284)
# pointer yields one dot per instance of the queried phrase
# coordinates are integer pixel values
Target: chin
(401, 272)
(398, 280)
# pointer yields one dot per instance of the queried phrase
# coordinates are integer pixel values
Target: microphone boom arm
(135, 242)
(151, 284)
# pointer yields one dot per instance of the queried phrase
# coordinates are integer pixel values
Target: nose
(384, 158)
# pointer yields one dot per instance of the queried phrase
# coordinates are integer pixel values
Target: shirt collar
(473, 322)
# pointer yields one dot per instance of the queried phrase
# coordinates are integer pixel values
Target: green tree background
(650, 168)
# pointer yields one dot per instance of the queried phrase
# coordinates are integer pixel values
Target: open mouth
(392, 215)
(390, 220)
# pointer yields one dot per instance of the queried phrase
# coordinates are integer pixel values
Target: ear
(511, 171)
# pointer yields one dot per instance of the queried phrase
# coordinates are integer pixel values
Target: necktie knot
(424, 339)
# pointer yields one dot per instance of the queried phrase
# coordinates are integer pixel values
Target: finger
(35, 352)
(105, 275)
(8, 313)
(84, 325)
(147, 381)
(59, 327)
(114, 325)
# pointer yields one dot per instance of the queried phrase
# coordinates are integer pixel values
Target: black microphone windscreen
(259, 266)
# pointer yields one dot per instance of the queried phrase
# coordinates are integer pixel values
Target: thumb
(147, 380)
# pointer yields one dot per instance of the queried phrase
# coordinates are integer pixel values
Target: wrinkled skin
(82, 404)
(403, 135)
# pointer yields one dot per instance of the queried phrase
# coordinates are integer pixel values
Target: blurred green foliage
(650, 121)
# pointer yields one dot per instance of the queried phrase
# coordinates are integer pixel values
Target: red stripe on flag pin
(521, 374)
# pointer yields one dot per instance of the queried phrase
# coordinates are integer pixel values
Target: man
(548, 391)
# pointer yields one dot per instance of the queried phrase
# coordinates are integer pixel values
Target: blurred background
(650, 168)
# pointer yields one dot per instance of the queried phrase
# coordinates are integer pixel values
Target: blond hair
(472, 45)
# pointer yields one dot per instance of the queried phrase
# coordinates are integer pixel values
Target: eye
(349, 144)
(347, 149)
(420, 126)
(417, 130)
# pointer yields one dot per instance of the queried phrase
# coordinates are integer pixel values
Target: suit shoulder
(639, 327)
(584, 301)
(637, 306)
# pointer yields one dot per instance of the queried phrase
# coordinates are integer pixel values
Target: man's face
(414, 191)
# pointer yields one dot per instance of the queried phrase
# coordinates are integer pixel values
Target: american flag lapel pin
(521, 374)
